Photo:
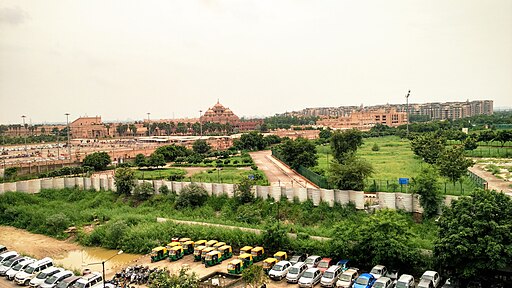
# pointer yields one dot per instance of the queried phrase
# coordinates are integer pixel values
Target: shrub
(97, 160)
(57, 223)
(191, 196)
(164, 190)
(375, 147)
(144, 190)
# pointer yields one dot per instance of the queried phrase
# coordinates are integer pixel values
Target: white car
(296, 272)
(383, 282)
(9, 264)
(25, 276)
(405, 281)
(312, 261)
(55, 279)
(330, 276)
(310, 278)
(432, 276)
(7, 255)
(347, 278)
(43, 275)
(92, 280)
(279, 270)
(18, 268)
(379, 271)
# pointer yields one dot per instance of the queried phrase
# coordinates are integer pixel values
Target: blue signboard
(251, 177)
(403, 181)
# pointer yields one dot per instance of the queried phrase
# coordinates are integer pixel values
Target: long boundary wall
(361, 200)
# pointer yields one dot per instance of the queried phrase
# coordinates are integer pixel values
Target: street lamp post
(200, 124)
(103, 264)
(69, 145)
(149, 125)
(407, 109)
(23, 117)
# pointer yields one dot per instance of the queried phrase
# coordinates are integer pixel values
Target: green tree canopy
(140, 160)
(97, 160)
(351, 174)
(298, 152)
(452, 163)
(201, 146)
(254, 276)
(243, 191)
(192, 195)
(427, 187)
(124, 180)
(181, 279)
(475, 235)
(344, 144)
(252, 141)
(428, 146)
(156, 160)
(171, 152)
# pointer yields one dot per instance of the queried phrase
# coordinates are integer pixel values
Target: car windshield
(310, 261)
(328, 275)
(428, 277)
(30, 269)
(308, 274)
(294, 270)
(378, 285)
(51, 280)
(277, 267)
(376, 271)
(362, 281)
(323, 264)
(345, 277)
(8, 263)
(294, 258)
(401, 285)
(62, 284)
(79, 285)
(17, 267)
(42, 275)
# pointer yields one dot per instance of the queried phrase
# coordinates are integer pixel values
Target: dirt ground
(40, 246)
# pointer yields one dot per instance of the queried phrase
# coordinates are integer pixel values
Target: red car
(324, 264)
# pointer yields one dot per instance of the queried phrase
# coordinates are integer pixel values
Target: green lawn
(394, 160)
(228, 175)
(158, 173)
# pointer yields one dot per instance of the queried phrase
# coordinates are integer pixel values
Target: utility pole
(407, 110)
(69, 144)
(149, 125)
(200, 123)
(23, 117)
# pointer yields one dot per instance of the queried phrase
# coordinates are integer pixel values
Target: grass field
(394, 160)
(230, 175)
(158, 173)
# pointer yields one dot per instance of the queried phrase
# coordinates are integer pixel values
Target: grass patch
(229, 175)
(147, 174)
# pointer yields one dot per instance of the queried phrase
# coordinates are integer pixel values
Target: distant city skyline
(122, 59)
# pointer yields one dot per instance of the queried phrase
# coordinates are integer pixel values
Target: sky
(124, 59)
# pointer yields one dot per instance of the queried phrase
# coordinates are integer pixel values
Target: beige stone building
(365, 120)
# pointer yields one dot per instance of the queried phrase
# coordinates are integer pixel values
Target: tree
(345, 143)
(156, 160)
(121, 129)
(140, 160)
(428, 146)
(351, 174)
(124, 180)
(97, 160)
(201, 146)
(275, 237)
(325, 134)
(470, 143)
(452, 163)
(427, 187)
(298, 152)
(503, 136)
(243, 191)
(182, 279)
(133, 129)
(192, 195)
(171, 152)
(252, 141)
(143, 191)
(474, 235)
(254, 276)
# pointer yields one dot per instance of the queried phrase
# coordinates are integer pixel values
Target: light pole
(200, 124)
(69, 145)
(23, 117)
(149, 125)
(407, 110)
(103, 264)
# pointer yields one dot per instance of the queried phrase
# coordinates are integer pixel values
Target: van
(405, 281)
(330, 276)
(68, 282)
(295, 272)
(55, 279)
(43, 275)
(24, 277)
(89, 281)
(7, 255)
(18, 268)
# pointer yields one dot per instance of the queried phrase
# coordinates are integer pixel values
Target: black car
(298, 258)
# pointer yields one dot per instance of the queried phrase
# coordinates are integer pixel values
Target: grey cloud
(12, 15)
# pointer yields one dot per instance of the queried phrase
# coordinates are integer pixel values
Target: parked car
(448, 284)
(296, 272)
(25, 276)
(298, 258)
(312, 261)
(52, 281)
(343, 263)
(68, 282)
(310, 278)
(330, 276)
(425, 283)
(347, 278)
(93, 280)
(405, 281)
(7, 255)
(364, 280)
(9, 264)
(324, 264)
(18, 268)
(43, 275)
(433, 276)
(379, 271)
(279, 271)
(383, 282)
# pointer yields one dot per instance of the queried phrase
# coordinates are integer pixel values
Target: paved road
(278, 174)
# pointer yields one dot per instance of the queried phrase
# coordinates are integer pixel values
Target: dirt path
(494, 183)
(35, 245)
(278, 174)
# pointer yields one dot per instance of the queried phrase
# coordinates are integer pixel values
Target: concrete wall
(404, 201)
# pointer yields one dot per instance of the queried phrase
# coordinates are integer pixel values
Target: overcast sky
(122, 59)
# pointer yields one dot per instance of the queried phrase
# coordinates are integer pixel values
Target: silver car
(310, 278)
(55, 279)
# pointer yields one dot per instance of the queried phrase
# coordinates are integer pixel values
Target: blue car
(343, 263)
(364, 280)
